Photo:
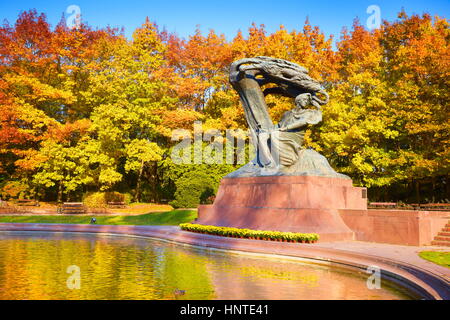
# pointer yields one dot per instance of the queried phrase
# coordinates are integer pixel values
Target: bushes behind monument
(194, 188)
(101, 199)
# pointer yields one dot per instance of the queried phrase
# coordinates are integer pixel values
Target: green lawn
(174, 217)
(441, 258)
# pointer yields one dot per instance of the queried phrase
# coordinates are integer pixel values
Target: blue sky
(182, 16)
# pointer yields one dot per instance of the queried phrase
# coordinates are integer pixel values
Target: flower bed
(251, 234)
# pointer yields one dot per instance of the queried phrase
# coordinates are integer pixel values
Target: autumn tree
(84, 109)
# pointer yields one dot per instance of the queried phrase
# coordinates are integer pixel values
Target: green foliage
(172, 173)
(252, 234)
(62, 165)
(193, 188)
(140, 152)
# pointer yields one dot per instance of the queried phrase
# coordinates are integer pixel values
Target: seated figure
(280, 146)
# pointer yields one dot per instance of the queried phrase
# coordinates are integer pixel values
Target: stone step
(442, 238)
(440, 243)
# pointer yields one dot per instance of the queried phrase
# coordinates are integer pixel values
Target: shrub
(128, 198)
(16, 189)
(95, 200)
(192, 189)
(114, 197)
(101, 199)
(210, 199)
(253, 234)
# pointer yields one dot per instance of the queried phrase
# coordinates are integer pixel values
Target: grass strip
(174, 217)
(438, 257)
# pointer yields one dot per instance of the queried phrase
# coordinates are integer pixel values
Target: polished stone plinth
(405, 227)
(285, 203)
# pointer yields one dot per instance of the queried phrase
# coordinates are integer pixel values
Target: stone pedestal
(285, 203)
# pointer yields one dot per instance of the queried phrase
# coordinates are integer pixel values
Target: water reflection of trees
(132, 268)
(36, 269)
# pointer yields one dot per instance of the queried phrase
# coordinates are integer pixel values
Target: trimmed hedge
(251, 234)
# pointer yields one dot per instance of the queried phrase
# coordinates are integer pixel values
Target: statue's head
(302, 100)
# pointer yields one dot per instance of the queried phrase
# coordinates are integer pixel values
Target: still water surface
(34, 266)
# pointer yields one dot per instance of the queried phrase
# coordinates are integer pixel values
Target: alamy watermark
(374, 280)
(374, 20)
(74, 20)
(74, 280)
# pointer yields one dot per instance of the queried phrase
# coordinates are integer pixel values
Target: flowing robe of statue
(279, 147)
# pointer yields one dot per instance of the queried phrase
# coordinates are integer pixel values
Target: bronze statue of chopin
(279, 147)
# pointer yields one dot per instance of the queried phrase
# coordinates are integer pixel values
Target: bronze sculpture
(279, 147)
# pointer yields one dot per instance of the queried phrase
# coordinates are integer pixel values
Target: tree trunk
(60, 192)
(417, 191)
(137, 196)
(433, 190)
(447, 187)
(156, 183)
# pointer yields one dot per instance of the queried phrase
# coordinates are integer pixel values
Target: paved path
(407, 254)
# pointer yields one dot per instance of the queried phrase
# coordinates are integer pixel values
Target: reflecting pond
(45, 266)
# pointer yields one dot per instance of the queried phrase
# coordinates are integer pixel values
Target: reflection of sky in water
(33, 266)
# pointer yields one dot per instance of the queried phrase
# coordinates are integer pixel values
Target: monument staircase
(443, 237)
